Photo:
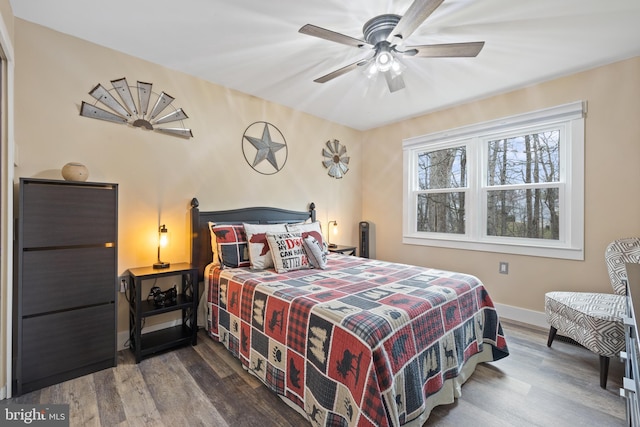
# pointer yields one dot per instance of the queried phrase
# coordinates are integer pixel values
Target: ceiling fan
(384, 34)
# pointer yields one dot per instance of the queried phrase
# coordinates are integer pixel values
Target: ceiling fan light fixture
(397, 67)
(372, 70)
(384, 61)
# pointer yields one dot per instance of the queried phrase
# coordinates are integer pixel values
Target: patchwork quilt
(362, 343)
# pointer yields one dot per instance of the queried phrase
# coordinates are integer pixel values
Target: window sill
(546, 250)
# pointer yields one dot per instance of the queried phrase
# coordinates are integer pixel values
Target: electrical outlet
(504, 267)
(123, 283)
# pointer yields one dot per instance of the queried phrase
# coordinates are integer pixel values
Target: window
(514, 185)
(442, 174)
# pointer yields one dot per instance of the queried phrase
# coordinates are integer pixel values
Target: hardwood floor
(205, 386)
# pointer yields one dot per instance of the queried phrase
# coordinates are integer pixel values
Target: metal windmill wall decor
(336, 160)
(126, 111)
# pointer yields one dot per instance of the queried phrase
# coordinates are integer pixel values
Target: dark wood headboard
(201, 254)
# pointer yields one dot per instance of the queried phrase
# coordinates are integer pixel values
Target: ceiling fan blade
(395, 83)
(332, 36)
(446, 50)
(412, 18)
(340, 71)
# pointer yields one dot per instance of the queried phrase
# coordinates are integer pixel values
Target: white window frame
(569, 118)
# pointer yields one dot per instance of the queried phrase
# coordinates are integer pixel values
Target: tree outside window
(523, 186)
(441, 210)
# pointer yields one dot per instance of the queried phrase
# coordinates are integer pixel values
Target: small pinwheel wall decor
(335, 159)
(127, 111)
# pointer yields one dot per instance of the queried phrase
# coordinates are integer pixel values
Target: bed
(351, 342)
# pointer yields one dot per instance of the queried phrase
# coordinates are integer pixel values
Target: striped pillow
(315, 252)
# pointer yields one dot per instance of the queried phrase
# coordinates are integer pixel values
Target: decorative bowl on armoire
(74, 171)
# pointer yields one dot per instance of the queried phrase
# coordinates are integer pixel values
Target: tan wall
(159, 174)
(6, 14)
(612, 183)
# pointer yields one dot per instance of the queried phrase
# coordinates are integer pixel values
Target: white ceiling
(254, 46)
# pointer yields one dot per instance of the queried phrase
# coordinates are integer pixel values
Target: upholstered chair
(594, 320)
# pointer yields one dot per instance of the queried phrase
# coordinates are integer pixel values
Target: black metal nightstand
(139, 308)
(345, 250)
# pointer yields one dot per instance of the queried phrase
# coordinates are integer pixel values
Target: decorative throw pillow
(309, 229)
(315, 252)
(229, 245)
(287, 251)
(214, 244)
(259, 251)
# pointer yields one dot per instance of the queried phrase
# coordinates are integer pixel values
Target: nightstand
(345, 250)
(141, 308)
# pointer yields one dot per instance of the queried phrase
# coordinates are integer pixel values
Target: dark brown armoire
(65, 297)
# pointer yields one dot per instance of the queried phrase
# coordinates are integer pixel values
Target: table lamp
(163, 241)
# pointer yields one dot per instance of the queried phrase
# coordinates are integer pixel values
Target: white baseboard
(522, 315)
(3, 392)
(123, 336)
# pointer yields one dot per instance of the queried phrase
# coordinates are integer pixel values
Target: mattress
(361, 343)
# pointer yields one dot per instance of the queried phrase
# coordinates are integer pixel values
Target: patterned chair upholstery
(594, 320)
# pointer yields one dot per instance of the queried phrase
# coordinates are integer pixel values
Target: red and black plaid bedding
(364, 342)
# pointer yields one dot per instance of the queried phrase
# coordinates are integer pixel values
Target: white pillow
(288, 252)
(310, 228)
(259, 251)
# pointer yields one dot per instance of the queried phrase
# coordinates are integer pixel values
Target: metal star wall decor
(126, 111)
(264, 147)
